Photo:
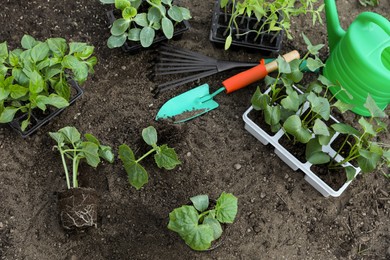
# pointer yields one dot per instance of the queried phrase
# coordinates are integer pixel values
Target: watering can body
(359, 60)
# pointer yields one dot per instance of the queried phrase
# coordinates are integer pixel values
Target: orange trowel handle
(256, 73)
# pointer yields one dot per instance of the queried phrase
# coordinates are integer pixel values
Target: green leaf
(350, 172)
(215, 225)
(291, 102)
(126, 154)
(28, 42)
(90, 151)
(86, 53)
(371, 105)
(20, 76)
(137, 175)
(106, 153)
(17, 91)
(367, 127)
(319, 105)
(119, 27)
(3, 50)
(343, 107)
(53, 100)
(91, 138)
(175, 13)
(368, 160)
(184, 221)
(226, 208)
(293, 126)
(272, 115)
(167, 27)
(141, 19)
(314, 153)
(283, 65)
(58, 137)
(129, 12)
(7, 115)
(320, 128)
(25, 124)
(4, 93)
(314, 64)
(107, 1)
(201, 202)
(228, 42)
(259, 100)
(122, 4)
(166, 158)
(185, 13)
(36, 82)
(134, 34)
(154, 15)
(71, 134)
(149, 135)
(40, 51)
(77, 47)
(116, 41)
(146, 36)
(57, 45)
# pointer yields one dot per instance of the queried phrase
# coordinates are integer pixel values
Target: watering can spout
(335, 32)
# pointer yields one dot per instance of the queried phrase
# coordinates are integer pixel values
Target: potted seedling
(39, 80)
(78, 205)
(301, 115)
(164, 156)
(138, 24)
(257, 24)
(201, 223)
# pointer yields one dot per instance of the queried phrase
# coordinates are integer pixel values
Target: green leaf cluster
(164, 157)
(35, 76)
(304, 114)
(142, 26)
(369, 2)
(272, 16)
(198, 225)
(74, 148)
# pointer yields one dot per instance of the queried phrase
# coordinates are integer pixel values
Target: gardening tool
(198, 101)
(359, 59)
(174, 60)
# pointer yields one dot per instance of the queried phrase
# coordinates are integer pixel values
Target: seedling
(142, 26)
(271, 16)
(72, 147)
(36, 76)
(164, 157)
(369, 2)
(198, 225)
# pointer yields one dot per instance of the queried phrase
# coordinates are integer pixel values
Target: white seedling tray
(293, 162)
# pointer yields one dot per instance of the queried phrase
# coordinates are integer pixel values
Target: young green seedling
(198, 225)
(164, 157)
(71, 146)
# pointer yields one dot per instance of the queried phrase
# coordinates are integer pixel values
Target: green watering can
(359, 59)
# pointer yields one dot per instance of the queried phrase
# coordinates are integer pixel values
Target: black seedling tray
(132, 47)
(266, 43)
(39, 118)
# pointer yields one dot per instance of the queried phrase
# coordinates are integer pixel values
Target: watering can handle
(256, 73)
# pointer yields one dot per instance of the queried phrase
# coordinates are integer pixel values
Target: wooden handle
(273, 65)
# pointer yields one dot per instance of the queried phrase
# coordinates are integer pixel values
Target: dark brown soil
(280, 215)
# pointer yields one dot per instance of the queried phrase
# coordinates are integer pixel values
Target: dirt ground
(280, 215)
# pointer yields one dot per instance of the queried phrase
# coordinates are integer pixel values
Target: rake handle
(256, 73)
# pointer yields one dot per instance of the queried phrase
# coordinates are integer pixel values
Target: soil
(280, 215)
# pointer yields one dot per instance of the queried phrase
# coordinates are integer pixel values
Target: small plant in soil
(271, 16)
(36, 76)
(304, 116)
(369, 2)
(200, 224)
(78, 206)
(141, 20)
(164, 156)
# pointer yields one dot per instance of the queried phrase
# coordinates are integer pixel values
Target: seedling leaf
(149, 135)
(215, 225)
(146, 36)
(226, 208)
(90, 151)
(166, 158)
(201, 202)
(293, 126)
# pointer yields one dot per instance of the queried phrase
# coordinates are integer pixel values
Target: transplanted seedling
(164, 157)
(199, 225)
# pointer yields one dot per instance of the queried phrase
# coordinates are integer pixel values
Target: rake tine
(182, 71)
(174, 83)
(168, 60)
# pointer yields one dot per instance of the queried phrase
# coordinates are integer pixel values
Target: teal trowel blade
(188, 105)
